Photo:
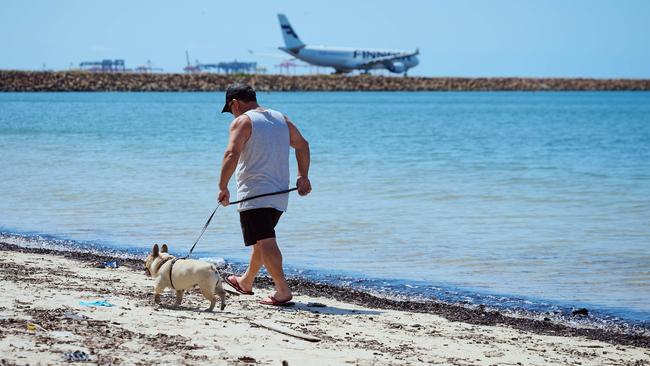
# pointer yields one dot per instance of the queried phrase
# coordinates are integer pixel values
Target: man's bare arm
(240, 131)
(300, 144)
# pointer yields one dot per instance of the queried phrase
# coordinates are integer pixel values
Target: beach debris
(285, 363)
(111, 264)
(74, 316)
(316, 305)
(284, 330)
(580, 312)
(76, 356)
(33, 326)
(490, 354)
(107, 264)
(247, 359)
(95, 303)
(62, 335)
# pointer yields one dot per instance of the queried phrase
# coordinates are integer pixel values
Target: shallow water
(541, 198)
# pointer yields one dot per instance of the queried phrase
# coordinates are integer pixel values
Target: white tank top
(263, 165)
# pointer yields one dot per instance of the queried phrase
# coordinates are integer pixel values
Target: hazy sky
(576, 38)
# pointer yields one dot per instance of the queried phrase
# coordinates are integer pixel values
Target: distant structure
(237, 67)
(189, 68)
(103, 66)
(147, 69)
(234, 67)
(288, 67)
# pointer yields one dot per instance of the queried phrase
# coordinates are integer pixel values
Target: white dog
(182, 274)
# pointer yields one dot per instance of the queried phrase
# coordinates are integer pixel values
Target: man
(259, 148)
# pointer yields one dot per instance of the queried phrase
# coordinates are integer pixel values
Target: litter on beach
(95, 303)
(108, 264)
(76, 356)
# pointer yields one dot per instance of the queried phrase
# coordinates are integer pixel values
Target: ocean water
(538, 200)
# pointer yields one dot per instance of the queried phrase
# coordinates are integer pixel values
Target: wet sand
(41, 319)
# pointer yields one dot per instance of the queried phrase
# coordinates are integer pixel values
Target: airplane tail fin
(291, 40)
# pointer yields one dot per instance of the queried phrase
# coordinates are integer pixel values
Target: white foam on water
(64, 245)
(218, 261)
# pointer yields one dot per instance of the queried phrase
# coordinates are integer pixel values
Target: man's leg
(247, 279)
(272, 258)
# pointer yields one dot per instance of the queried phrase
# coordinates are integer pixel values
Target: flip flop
(270, 300)
(232, 281)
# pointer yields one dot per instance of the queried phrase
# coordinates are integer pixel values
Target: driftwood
(284, 330)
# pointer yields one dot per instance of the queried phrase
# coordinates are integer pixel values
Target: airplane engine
(397, 67)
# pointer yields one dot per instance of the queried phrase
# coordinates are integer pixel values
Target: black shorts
(258, 224)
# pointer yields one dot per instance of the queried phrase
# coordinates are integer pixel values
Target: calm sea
(538, 200)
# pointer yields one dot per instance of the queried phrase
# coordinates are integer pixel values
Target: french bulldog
(182, 274)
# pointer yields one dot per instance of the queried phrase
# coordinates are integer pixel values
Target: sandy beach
(42, 319)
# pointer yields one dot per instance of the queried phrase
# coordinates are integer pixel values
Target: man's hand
(224, 197)
(304, 186)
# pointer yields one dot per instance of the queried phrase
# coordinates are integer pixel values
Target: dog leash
(232, 203)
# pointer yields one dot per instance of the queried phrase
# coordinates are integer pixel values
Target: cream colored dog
(182, 274)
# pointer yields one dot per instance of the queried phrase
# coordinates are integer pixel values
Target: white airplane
(344, 60)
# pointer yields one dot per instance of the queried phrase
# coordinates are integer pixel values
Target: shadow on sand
(328, 310)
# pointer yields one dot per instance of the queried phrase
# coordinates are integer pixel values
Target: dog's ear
(155, 250)
(164, 249)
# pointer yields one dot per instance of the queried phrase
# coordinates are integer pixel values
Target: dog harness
(173, 259)
(163, 262)
(171, 267)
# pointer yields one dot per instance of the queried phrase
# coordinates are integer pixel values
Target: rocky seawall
(28, 81)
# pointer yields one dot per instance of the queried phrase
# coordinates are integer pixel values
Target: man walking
(258, 148)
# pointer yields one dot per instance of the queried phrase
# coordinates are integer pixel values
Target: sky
(465, 38)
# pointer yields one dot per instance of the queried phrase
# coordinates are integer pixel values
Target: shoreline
(475, 315)
(45, 316)
(621, 319)
(69, 81)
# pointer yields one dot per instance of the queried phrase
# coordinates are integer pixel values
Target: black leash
(264, 195)
(232, 203)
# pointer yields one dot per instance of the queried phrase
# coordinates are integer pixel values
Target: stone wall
(85, 81)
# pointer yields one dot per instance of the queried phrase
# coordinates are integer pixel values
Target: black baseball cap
(238, 91)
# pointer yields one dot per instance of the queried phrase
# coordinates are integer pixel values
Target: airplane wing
(386, 59)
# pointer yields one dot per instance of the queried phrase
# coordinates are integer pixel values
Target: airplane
(345, 60)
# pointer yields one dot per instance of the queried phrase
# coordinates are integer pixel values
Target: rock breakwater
(68, 81)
